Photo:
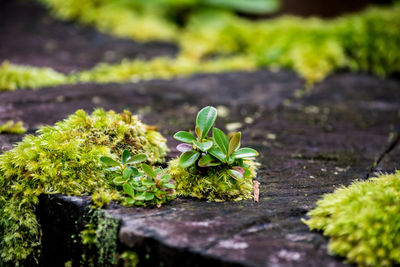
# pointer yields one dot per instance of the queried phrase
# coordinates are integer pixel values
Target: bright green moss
(16, 76)
(215, 185)
(64, 158)
(362, 221)
(161, 68)
(12, 127)
(314, 48)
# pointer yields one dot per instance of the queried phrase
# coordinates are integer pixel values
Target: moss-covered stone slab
(309, 145)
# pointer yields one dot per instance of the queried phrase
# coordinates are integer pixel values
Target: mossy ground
(362, 221)
(314, 48)
(213, 183)
(64, 159)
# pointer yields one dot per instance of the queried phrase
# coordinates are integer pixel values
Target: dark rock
(63, 46)
(308, 146)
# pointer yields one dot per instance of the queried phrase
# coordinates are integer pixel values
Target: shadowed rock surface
(308, 146)
(30, 36)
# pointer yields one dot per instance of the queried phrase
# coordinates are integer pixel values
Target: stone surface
(309, 143)
(30, 36)
(308, 146)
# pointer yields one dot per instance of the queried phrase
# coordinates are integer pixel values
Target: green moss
(215, 185)
(161, 68)
(314, 48)
(129, 258)
(16, 76)
(100, 240)
(362, 221)
(64, 158)
(12, 127)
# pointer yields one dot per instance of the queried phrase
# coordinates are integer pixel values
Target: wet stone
(309, 146)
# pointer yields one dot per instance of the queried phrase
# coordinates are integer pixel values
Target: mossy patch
(64, 158)
(14, 77)
(212, 183)
(12, 127)
(362, 221)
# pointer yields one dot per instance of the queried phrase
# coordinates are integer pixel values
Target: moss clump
(214, 184)
(14, 77)
(12, 127)
(100, 240)
(362, 221)
(64, 158)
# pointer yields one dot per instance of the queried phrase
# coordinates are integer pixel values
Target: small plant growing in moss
(371, 238)
(152, 187)
(214, 167)
(64, 158)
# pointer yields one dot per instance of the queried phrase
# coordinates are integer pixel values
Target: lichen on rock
(64, 158)
(362, 221)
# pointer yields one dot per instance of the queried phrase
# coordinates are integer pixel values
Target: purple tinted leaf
(184, 147)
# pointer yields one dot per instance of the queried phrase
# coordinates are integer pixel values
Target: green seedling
(203, 151)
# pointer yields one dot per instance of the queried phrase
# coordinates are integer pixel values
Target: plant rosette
(213, 168)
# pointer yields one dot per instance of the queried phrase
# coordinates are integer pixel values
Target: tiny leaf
(217, 153)
(234, 143)
(208, 160)
(119, 180)
(185, 137)
(109, 161)
(128, 189)
(188, 158)
(127, 173)
(235, 174)
(149, 196)
(169, 185)
(221, 140)
(203, 146)
(198, 132)
(205, 120)
(148, 170)
(244, 153)
(137, 159)
(125, 156)
(184, 147)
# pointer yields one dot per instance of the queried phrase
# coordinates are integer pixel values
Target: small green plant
(213, 167)
(205, 151)
(152, 187)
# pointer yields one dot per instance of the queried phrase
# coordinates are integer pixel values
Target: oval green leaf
(148, 170)
(128, 189)
(203, 146)
(205, 120)
(109, 161)
(127, 173)
(188, 158)
(125, 156)
(234, 143)
(137, 159)
(235, 174)
(119, 180)
(217, 153)
(221, 140)
(185, 137)
(245, 152)
(208, 161)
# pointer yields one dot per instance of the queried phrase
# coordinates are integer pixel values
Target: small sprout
(205, 151)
